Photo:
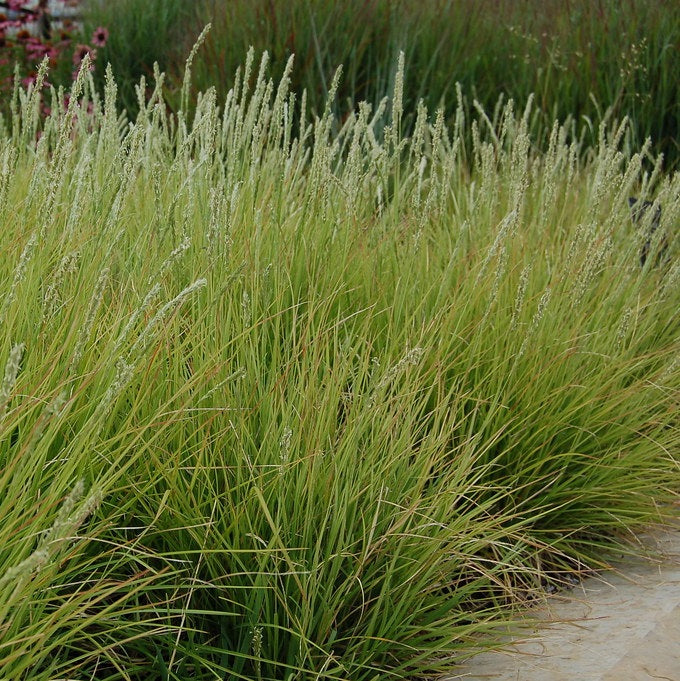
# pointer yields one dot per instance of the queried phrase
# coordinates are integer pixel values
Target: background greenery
(579, 58)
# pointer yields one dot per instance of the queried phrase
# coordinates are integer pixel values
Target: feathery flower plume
(11, 372)
(62, 532)
(86, 329)
(19, 274)
(149, 331)
(411, 358)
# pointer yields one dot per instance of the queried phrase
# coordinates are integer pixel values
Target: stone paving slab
(618, 626)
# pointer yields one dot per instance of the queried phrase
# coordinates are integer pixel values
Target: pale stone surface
(619, 626)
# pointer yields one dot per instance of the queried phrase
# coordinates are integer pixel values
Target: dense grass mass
(316, 400)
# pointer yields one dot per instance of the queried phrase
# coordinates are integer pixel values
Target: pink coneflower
(36, 50)
(100, 36)
(9, 23)
(80, 52)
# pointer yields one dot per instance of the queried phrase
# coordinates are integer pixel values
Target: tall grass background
(587, 60)
(289, 397)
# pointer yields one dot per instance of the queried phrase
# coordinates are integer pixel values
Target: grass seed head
(11, 372)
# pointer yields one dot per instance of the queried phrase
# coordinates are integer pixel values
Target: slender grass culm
(292, 398)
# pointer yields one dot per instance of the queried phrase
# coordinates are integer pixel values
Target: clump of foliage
(290, 398)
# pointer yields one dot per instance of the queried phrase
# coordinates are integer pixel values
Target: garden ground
(614, 627)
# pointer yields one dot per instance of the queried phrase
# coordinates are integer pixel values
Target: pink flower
(100, 36)
(8, 23)
(81, 51)
(36, 50)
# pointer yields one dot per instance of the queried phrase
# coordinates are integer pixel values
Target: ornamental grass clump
(307, 398)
